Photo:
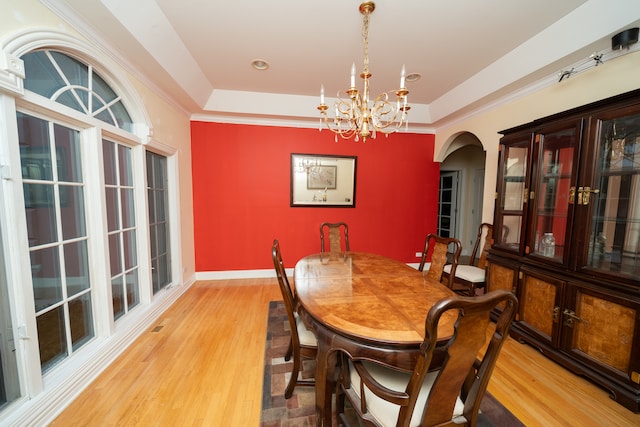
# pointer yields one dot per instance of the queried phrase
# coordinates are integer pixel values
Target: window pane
(126, 171)
(111, 195)
(42, 78)
(41, 214)
(52, 337)
(164, 271)
(35, 152)
(152, 202)
(72, 100)
(133, 297)
(117, 297)
(129, 240)
(80, 319)
(128, 219)
(72, 212)
(153, 231)
(115, 260)
(77, 267)
(123, 118)
(105, 116)
(45, 270)
(68, 154)
(160, 207)
(162, 237)
(102, 89)
(75, 71)
(109, 160)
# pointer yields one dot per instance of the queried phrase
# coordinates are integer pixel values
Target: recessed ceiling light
(413, 77)
(259, 64)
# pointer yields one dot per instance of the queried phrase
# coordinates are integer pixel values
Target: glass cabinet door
(614, 235)
(513, 190)
(553, 190)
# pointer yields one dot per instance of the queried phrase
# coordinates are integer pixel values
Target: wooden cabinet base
(626, 395)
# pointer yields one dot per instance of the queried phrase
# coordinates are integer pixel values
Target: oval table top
(369, 297)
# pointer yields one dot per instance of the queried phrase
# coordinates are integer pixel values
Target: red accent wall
(241, 184)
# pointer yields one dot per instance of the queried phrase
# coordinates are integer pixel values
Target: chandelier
(357, 116)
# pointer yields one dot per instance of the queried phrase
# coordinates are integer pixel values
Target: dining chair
(469, 277)
(337, 232)
(449, 395)
(303, 343)
(439, 247)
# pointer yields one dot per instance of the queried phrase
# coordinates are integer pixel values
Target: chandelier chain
(365, 41)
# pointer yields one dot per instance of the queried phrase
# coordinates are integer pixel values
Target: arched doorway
(462, 179)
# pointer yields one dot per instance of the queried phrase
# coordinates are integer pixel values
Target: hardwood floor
(201, 365)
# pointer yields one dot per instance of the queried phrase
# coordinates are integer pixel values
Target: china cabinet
(567, 239)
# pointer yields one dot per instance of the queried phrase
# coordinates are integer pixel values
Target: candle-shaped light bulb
(321, 94)
(353, 75)
(402, 75)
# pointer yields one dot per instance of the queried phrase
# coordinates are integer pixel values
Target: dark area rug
(299, 410)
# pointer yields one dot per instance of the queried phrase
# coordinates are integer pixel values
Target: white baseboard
(252, 274)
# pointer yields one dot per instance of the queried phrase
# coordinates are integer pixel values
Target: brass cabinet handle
(587, 194)
(584, 194)
(572, 195)
(570, 318)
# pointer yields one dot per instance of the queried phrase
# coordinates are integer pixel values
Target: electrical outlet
(418, 254)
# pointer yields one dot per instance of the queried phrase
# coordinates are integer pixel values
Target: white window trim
(44, 396)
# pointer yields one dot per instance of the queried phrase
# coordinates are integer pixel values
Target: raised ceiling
(470, 53)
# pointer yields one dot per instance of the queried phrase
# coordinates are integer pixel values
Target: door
(552, 200)
(447, 203)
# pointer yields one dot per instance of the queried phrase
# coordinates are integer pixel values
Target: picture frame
(323, 180)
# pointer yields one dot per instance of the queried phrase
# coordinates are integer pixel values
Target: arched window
(70, 82)
(87, 241)
(59, 166)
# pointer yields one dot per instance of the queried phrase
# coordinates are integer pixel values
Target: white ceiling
(469, 52)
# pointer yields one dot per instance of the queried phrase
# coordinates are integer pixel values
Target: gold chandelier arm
(387, 114)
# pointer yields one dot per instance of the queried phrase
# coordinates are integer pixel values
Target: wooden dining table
(365, 305)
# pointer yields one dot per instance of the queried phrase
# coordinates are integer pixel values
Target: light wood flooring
(203, 367)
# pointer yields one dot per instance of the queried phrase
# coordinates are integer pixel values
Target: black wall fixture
(625, 38)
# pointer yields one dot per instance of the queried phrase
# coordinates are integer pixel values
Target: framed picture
(323, 180)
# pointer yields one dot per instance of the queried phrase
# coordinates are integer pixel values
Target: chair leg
(289, 352)
(294, 377)
(342, 381)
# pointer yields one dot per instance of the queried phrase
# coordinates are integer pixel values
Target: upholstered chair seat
(385, 412)
(470, 273)
(468, 278)
(306, 337)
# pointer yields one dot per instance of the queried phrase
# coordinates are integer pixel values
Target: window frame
(92, 130)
